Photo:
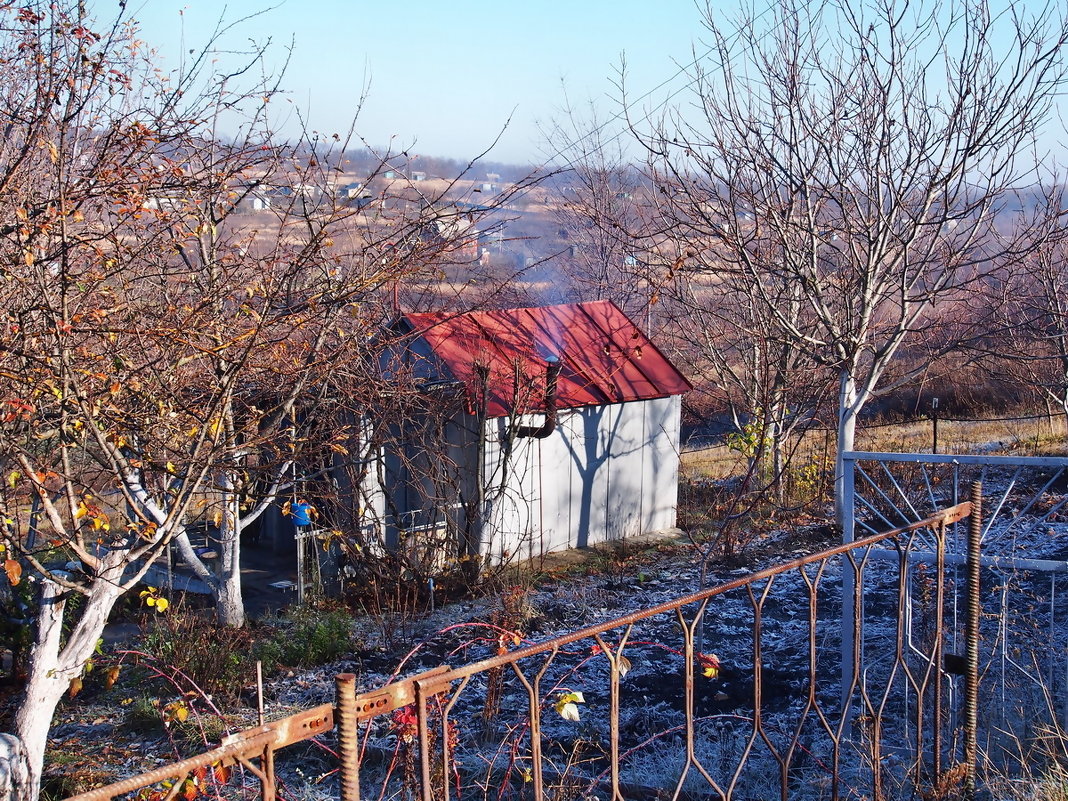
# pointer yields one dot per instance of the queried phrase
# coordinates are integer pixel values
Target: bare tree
(164, 355)
(102, 438)
(598, 210)
(854, 158)
(1027, 313)
(771, 388)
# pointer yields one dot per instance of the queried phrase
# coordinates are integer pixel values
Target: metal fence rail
(733, 692)
(1018, 583)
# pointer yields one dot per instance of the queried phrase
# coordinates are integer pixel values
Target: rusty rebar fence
(734, 692)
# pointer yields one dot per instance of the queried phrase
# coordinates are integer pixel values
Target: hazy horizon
(444, 79)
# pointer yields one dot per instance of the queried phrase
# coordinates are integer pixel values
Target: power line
(622, 114)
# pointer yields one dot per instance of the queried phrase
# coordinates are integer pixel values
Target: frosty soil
(651, 704)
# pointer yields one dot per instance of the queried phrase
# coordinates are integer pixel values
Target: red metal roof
(604, 357)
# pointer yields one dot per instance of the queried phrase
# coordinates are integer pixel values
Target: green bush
(306, 637)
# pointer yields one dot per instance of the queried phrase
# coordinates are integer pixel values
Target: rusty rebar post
(971, 635)
(347, 736)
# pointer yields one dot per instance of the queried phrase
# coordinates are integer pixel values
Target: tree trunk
(14, 770)
(53, 668)
(229, 604)
(848, 408)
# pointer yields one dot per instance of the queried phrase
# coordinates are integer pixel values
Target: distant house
(559, 428)
(352, 190)
(256, 197)
(166, 203)
(418, 175)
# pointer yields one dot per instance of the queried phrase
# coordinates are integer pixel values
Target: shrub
(307, 637)
(215, 658)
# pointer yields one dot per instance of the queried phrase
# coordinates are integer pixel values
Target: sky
(444, 78)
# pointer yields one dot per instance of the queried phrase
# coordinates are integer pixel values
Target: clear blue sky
(445, 75)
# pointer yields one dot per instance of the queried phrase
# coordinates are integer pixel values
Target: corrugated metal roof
(604, 357)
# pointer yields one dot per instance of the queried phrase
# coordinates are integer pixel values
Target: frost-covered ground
(797, 733)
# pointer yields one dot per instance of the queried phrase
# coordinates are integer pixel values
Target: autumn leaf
(75, 686)
(624, 665)
(111, 675)
(709, 665)
(176, 710)
(13, 570)
(566, 706)
(152, 598)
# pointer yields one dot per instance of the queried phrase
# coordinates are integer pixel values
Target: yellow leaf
(13, 478)
(181, 713)
(162, 604)
(170, 467)
(709, 665)
(566, 706)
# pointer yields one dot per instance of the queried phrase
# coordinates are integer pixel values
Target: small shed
(563, 431)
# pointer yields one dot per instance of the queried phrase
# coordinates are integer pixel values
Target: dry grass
(1026, 437)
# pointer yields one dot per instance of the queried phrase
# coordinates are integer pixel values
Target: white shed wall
(606, 473)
